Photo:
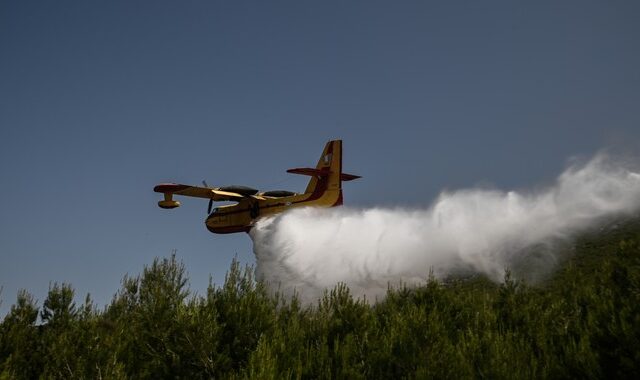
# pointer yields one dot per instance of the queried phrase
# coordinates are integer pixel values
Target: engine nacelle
(168, 204)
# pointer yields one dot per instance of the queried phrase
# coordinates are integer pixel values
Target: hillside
(582, 322)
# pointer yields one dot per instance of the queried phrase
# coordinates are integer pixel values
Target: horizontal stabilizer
(349, 177)
(310, 171)
(321, 173)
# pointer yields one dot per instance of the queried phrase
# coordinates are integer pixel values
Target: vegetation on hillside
(582, 323)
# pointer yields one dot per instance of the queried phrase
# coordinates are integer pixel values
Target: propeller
(204, 183)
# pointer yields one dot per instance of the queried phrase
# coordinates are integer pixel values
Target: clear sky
(99, 101)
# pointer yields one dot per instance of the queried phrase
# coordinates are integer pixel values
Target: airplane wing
(198, 192)
(219, 195)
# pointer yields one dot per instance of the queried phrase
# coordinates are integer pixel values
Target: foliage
(582, 323)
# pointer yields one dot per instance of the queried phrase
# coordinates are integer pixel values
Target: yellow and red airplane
(324, 190)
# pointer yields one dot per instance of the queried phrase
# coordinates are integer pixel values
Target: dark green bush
(584, 322)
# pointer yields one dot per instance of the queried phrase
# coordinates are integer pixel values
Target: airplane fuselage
(240, 217)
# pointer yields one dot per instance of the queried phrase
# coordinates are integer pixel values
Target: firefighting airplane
(324, 190)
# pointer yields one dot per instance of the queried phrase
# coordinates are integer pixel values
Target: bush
(582, 323)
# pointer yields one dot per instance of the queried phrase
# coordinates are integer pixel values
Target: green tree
(20, 356)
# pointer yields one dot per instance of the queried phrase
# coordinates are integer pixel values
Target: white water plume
(466, 231)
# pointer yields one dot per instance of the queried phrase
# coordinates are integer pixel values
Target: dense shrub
(582, 323)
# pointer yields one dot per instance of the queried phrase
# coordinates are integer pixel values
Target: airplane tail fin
(327, 175)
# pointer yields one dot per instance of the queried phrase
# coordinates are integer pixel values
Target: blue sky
(99, 101)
